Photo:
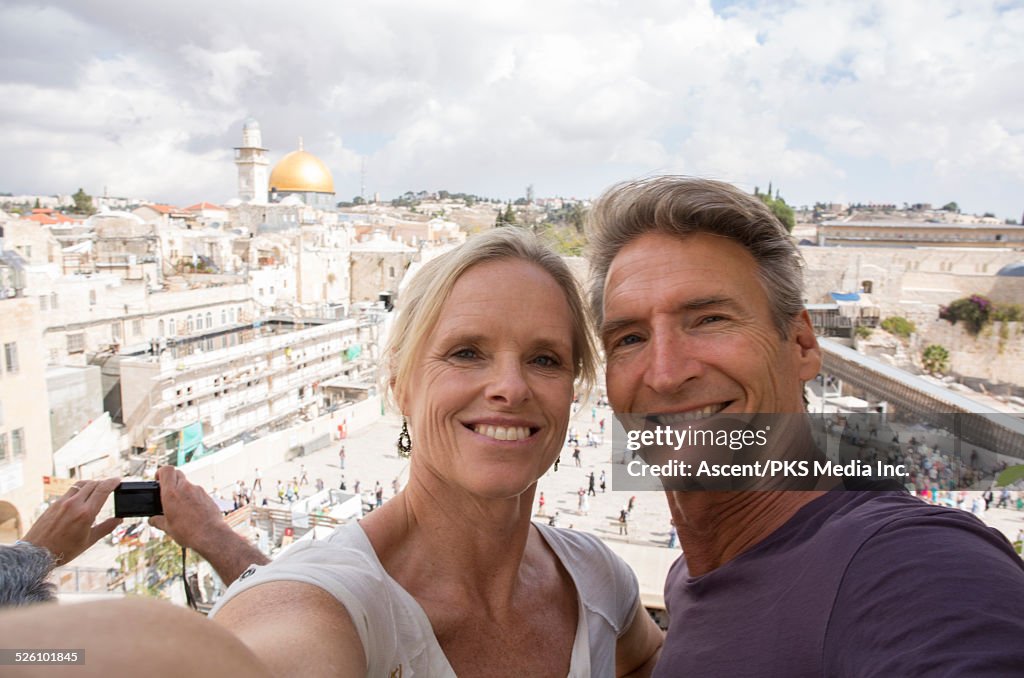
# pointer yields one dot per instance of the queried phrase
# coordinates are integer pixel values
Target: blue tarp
(845, 296)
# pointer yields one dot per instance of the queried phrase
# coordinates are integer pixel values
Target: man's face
(688, 328)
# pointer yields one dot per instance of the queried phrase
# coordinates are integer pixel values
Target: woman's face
(488, 397)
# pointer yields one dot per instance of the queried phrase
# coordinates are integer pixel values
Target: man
(698, 296)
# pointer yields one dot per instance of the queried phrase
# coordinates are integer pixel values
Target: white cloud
(823, 98)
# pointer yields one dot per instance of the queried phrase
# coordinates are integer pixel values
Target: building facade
(25, 447)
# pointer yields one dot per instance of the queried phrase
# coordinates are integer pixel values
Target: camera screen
(137, 499)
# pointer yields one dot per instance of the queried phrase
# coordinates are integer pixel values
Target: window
(53, 300)
(137, 327)
(3, 448)
(189, 325)
(28, 251)
(160, 327)
(11, 356)
(391, 271)
(44, 303)
(76, 342)
(209, 320)
(172, 329)
(223, 316)
(115, 331)
(18, 443)
(92, 297)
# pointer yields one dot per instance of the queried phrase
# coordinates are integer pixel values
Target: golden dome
(301, 171)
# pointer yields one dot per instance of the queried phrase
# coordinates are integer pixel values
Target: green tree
(899, 326)
(935, 359)
(83, 202)
(37, 203)
(951, 207)
(779, 208)
(576, 217)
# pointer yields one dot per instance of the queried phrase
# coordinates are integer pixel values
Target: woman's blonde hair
(420, 303)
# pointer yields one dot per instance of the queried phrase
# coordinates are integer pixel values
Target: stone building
(378, 266)
(25, 446)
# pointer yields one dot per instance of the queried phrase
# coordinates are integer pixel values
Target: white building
(216, 389)
(25, 449)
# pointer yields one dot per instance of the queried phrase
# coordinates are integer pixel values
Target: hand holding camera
(66, 528)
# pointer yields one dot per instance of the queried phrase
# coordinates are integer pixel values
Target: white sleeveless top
(395, 631)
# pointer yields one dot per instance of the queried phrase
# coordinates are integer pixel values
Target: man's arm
(193, 520)
(66, 528)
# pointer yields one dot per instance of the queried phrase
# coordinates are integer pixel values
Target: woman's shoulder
(343, 564)
(574, 540)
(606, 584)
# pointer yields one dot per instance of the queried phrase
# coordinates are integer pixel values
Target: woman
(450, 576)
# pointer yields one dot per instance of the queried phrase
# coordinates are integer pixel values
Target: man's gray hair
(683, 206)
(24, 569)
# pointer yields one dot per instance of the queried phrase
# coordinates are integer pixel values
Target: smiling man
(698, 294)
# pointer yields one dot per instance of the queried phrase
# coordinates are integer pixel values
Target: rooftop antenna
(300, 143)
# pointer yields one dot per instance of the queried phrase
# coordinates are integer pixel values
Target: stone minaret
(251, 159)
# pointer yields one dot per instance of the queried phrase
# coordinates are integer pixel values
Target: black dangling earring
(404, 441)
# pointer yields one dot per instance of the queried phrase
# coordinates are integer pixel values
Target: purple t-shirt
(854, 584)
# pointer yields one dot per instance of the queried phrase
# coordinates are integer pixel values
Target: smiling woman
(488, 394)
(450, 576)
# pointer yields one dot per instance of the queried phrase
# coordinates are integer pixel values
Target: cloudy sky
(849, 101)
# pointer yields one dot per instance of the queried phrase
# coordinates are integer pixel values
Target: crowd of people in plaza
(287, 492)
(697, 303)
(939, 469)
